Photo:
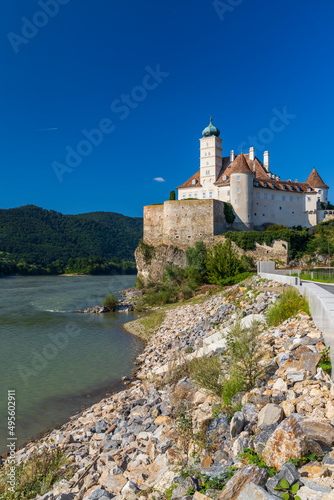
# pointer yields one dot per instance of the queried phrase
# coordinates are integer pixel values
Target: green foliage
(222, 262)
(196, 263)
(289, 491)
(206, 482)
(174, 274)
(325, 362)
(289, 304)
(36, 476)
(229, 213)
(206, 372)
(110, 302)
(148, 252)
(172, 195)
(276, 227)
(44, 237)
(244, 353)
(231, 387)
(251, 457)
(234, 280)
(297, 240)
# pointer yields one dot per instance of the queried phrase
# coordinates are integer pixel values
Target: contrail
(46, 129)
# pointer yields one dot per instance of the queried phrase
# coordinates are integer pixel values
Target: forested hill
(43, 236)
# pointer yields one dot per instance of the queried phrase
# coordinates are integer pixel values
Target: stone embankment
(133, 444)
(127, 304)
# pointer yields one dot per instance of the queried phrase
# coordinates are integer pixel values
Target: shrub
(207, 373)
(231, 387)
(36, 476)
(148, 252)
(172, 195)
(234, 280)
(196, 263)
(174, 273)
(222, 262)
(244, 353)
(289, 304)
(110, 302)
(139, 282)
(229, 213)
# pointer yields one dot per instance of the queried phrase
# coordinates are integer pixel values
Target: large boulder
(248, 474)
(287, 441)
(321, 432)
(269, 415)
(254, 492)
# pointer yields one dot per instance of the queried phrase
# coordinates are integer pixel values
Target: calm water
(59, 361)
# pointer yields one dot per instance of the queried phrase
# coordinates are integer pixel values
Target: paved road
(328, 288)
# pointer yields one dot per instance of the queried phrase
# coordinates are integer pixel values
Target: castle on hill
(257, 195)
(258, 198)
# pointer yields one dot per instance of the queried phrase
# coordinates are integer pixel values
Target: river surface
(56, 360)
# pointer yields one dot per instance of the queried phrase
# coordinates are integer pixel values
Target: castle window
(236, 202)
(224, 177)
(238, 190)
(291, 198)
(211, 181)
(238, 178)
(280, 208)
(207, 144)
(283, 187)
(195, 195)
(210, 194)
(298, 188)
(193, 182)
(176, 237)
(209, 153)
(319, 191)
(258, 195)
(207, 172)
(309, 189)
(272, 196)
(256, 184)
(265, 195)
(298, 197)
(254, 214)
(207, 163)
(309, 198)
(204, 182)
(184, 196)
(228, 193)
(189, 195)
(218, 193)
(265, 184)
(206, 154)
(204, 195)
(283, 198)
(189, 236)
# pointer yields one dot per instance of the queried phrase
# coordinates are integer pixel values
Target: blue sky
(172, 63)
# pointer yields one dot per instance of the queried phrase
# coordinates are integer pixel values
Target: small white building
(257, 195)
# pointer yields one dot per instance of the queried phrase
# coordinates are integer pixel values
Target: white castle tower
(241, 183)
(210, 154)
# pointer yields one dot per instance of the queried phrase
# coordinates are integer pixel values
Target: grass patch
(289, 304)
(145, 326)
(308, 277)
(36, 476)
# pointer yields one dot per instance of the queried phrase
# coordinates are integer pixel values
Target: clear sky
(67, 65)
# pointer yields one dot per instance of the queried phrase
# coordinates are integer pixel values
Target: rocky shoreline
(126, 305)
(135, 443)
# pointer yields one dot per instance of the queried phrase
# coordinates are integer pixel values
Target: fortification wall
(181, 223)
(153, 224)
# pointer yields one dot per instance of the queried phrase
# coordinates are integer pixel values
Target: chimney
(278, 178)
(232, 156)
(251, 154)
(296, 180)
(266, 161)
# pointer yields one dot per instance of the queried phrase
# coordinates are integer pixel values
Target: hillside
(43, 236)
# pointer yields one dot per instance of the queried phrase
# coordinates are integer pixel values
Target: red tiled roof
(242, 163)
(189, 182)
(240, 166)
(315, 180)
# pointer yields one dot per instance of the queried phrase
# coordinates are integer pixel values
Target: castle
(257, 195)
(258, 198)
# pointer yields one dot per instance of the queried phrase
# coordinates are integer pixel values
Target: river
(58, 361)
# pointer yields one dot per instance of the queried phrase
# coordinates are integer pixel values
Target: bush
(244, 353)
(229, 213)
(36, 476)
(234, 280)
(139, 282)
(207, 373)
(231, 387)
(174, 274)
(110, 302)
(172, 195)
(148, 252)
(196, 263)
(222, 262)
(289, 304)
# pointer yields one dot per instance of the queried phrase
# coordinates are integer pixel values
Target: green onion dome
(211, 130)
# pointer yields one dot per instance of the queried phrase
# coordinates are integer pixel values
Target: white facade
(256, 194)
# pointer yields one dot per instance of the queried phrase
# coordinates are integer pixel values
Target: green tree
(172, 195)
(222, 262)
(196, 263)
